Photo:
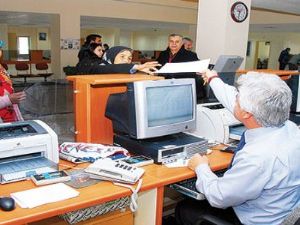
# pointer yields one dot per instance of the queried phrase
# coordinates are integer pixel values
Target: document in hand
(42, 195)
(183, 67)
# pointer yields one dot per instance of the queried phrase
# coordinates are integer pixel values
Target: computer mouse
(7, 204)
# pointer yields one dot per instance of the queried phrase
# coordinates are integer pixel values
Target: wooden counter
(90, 96)
(284, 74)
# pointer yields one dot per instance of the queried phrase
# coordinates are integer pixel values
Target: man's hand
(148, 67)
(207, 75)
(15, 98)
(197, 160)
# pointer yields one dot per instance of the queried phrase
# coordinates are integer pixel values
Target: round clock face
(239, 12)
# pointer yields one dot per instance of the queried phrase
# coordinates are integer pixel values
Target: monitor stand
(164, 149)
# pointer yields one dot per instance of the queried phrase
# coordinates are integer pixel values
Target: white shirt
(263, 184)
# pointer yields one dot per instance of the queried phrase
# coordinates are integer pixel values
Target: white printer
(217, 123)
(27, 148)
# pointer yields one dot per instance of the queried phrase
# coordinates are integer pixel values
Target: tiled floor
(51, 102)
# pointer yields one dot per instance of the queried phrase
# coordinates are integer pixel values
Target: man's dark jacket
(182, 56)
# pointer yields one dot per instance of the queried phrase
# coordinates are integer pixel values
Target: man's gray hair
(175, 35)
(266, 96)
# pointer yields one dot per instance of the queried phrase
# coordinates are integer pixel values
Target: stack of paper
(42, 195)
(184, 67)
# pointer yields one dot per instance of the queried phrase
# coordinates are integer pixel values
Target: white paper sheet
(195, 66)
(42, 195)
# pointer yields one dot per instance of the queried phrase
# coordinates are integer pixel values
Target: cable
(134, 196)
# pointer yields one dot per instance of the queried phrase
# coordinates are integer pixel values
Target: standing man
(262, 185)
(284, 58)
(92, 38)
(188, 43)
(177, 53)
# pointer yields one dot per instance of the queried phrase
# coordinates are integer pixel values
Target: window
(23, 45)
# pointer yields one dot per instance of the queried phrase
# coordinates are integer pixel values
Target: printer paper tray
(20, 169)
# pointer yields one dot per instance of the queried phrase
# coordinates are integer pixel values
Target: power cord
(134, 196)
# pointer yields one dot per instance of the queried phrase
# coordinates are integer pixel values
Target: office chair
(292, 219)
(43, 67)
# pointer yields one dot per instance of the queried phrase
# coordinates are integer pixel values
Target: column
(55, 46)
(64, 26)
(217, 33)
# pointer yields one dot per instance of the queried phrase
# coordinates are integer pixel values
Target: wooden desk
(284, 74)
(90, 96)
(154, 180)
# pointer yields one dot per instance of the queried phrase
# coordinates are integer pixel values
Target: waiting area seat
(24, 71)
(43, 67)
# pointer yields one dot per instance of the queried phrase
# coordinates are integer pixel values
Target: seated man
(262, 184)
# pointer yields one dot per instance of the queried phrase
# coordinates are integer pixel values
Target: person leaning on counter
(262, 185)
(117, 59)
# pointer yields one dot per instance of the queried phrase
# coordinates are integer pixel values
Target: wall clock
(239, 12)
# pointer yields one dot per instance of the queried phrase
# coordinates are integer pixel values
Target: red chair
(23, 70)
(43, 67)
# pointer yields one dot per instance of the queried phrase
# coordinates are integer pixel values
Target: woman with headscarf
(116, 60)
(9, 110)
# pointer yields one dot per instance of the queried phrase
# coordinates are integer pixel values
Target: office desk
(150, 196)
(283, 74)
(90, 96)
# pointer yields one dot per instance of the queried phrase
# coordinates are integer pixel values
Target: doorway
(262, 54)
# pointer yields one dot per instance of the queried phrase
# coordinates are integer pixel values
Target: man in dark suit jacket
(284, 58)
(177, 53)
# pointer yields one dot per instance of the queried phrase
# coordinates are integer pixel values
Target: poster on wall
(69, 43)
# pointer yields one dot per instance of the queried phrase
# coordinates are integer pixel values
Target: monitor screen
(169, 105)
(154, 108)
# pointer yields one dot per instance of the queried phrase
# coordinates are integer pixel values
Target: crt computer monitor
(226, 66)
(151, 109)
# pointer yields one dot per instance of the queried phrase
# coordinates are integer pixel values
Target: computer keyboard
(188, 187)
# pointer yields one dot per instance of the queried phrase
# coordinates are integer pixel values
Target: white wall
(263, 50)
(250, 63)
(70, 11)
(278, 42)
(153, 40)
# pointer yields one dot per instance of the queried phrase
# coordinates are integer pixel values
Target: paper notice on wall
(184, 67)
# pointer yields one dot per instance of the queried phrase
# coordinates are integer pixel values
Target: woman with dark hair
(116, 60)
